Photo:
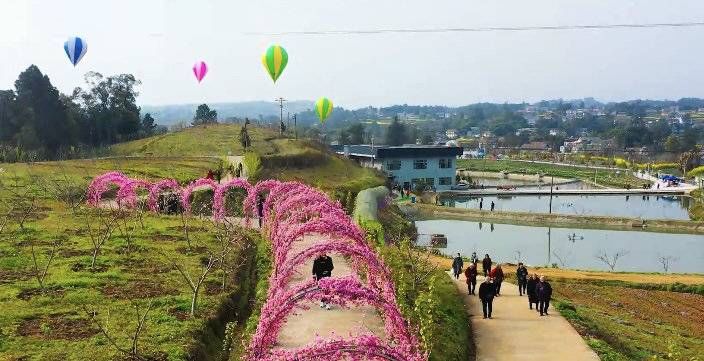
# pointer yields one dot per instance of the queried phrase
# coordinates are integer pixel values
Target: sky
(159, 40)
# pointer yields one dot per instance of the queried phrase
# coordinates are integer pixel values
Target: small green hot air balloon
(323, 107)
(275, 59)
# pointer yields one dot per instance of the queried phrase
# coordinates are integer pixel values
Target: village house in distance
(409, 166)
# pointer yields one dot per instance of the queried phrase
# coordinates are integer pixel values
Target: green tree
(356, 132)
(672, 144)
(343, 137)
(42, 110)
(427, 139)
(204, 115)
(148, 124)
(396, 133)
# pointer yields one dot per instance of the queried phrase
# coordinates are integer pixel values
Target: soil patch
(180, 315)
(192, 250)
(80, 267)
(53, 292)
(142, 266)
(57, 327)
(138, 289)
(164, 238)
(68, 253)
(212, 287)
(190, 229)
(11, 276)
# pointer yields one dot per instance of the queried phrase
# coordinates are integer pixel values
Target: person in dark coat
(471, 274)
(322, 267)
(481, 203)
(486, 295)
(260, 209)
(522, 278)
(497, 274)
(474, 259)
(457, 266)
(486, 264)
(530, 290)
(544, 292)
(492, 206)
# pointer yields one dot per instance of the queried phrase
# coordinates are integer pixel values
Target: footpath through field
(303, 327)
(518, 333)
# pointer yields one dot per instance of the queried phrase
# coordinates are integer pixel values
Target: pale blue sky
(159, 40)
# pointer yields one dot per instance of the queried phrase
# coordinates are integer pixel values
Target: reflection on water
(568, 247)
(636, 206)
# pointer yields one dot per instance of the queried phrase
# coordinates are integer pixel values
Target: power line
(482, 29)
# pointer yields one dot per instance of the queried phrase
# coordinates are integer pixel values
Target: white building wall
(407, 173)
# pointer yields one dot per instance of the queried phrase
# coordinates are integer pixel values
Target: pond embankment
(426, 212)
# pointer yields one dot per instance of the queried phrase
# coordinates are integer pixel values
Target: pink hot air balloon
(199, 70)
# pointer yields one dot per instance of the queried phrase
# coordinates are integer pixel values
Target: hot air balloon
(199, 70)
(323, 107)
(75, 48)
(275, 59)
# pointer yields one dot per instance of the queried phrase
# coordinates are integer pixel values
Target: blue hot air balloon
(75, 48)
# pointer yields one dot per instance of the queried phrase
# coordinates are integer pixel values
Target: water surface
(568, 247)
(635, 206)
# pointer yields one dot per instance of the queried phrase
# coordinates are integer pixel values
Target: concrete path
(518, 333)
(303, 327)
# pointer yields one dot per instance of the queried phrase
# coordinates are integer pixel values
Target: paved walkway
(303, 327)
(518, 333)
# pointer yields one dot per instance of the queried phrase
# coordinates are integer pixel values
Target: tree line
(38, 122)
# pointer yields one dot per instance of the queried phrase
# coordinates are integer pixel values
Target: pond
(568, 247)
(490, 182)
(634, 206)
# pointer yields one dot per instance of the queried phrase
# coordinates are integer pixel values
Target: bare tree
(196, 285)
(141, 317)
(100, 232)
(232, 241)
(66, 190)
(40, 273)
(518, 256)
(667, 261)
(611, 260)
(184, 225)
(562, 258)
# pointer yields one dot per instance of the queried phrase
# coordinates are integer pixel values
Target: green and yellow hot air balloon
(275, 59)
(323, 107)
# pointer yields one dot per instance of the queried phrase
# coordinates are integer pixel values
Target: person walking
(522, 278)
(486, 264)
(260, 209)
(544, 293)
(474, 258)
(486, 295)
(497, 274)
(492, 206)
(457, 266)
(322, 267)
(530, 290)
(471, 274)
(481, 203)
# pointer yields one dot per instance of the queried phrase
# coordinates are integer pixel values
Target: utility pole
(281, 115)
(295, 127)
(552, 182)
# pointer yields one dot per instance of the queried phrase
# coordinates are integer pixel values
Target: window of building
(445, 181)
(446, 163)
(393, 165)
(430, 181)
(416, 182)
(420, 164)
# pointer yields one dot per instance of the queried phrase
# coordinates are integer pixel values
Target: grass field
(210, 140)
(43, 218)
(54, 297)
(602, 177)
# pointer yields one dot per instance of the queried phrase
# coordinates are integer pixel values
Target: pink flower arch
(293, 210)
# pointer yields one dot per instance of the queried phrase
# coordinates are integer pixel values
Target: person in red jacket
(498, 275)
(471, 274)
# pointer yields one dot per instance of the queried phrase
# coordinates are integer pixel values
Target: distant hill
(170, 114)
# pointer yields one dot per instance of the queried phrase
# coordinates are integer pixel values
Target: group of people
(481, 204)
(538, 289)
